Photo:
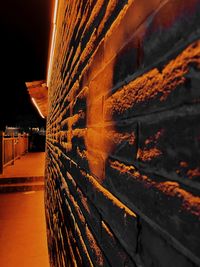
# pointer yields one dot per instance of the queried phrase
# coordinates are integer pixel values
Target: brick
(155, 251)
(165, 202)
(122, 169)
(115, 252)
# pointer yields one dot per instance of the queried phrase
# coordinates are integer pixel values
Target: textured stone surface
(122, 166)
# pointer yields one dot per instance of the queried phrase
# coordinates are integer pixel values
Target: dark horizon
(25, 31)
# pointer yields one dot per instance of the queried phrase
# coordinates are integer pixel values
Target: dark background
(25, 31)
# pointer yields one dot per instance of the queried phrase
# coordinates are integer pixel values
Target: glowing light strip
(52, 42)
(55, 12)
(34, 102)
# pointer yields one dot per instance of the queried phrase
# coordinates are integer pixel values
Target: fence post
(27, 142)
(13, 148)
(19, 145)
(1, 151)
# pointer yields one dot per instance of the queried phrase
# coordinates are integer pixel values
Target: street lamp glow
(38, 109)
(52, 42)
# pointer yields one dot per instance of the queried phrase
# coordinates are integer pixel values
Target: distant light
(44, 85)
(52, 43)
(11, 128)
(34, 102)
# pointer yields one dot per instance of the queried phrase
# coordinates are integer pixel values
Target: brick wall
(123, 134)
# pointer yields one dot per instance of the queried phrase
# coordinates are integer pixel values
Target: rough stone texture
(123, 135)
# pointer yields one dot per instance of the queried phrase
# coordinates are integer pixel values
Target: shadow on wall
(37, 143)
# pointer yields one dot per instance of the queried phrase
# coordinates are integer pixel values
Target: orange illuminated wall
(123, 134)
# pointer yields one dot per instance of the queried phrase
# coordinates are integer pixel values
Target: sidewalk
(29, 165)
(23, 241)
(23, 230)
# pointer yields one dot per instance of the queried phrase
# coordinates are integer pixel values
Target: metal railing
(12, 148)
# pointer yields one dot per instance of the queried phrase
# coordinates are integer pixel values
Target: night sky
(24, 43)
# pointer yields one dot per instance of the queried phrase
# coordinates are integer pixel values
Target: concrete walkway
(29, 165)
(23, 241)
